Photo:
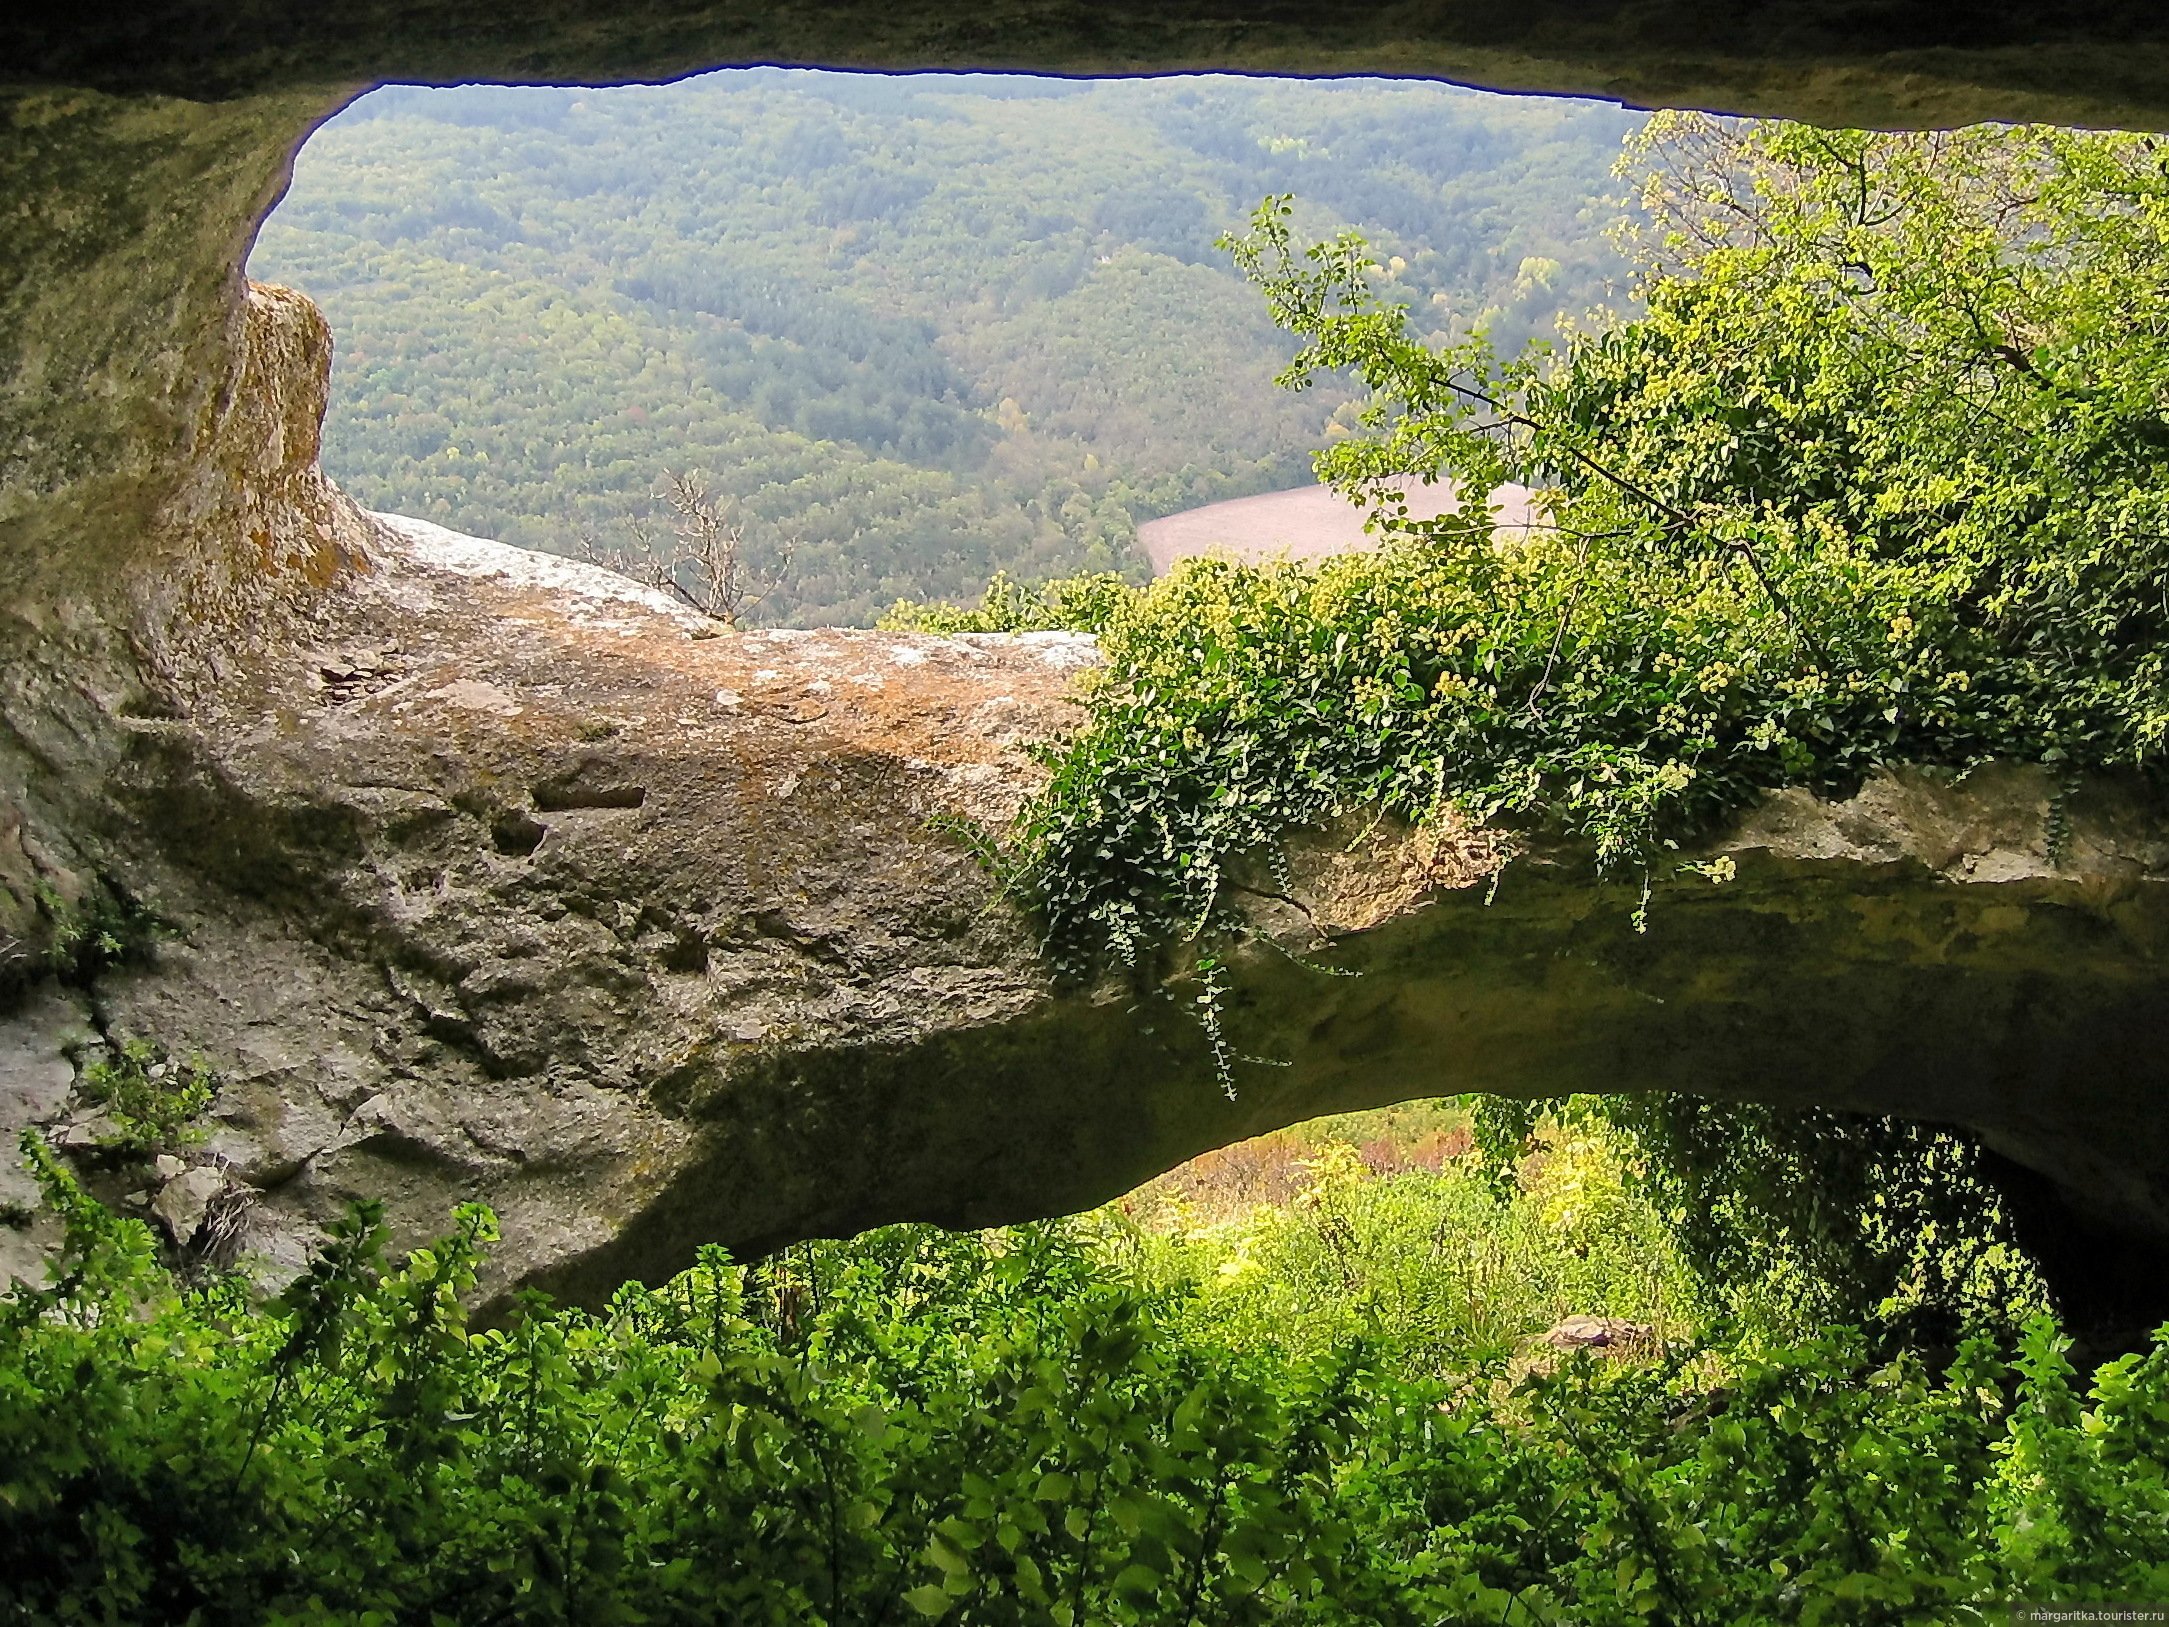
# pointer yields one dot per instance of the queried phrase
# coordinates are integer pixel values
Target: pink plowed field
(1307, 522)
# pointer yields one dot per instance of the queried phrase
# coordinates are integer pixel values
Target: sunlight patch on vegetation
(1435, 1263)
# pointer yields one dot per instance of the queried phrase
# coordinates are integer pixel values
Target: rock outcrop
(494, 875)
(488, 877)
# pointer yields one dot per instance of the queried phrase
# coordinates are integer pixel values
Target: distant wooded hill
(922, 328)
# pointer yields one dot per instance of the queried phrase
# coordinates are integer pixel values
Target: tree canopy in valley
(922, 329)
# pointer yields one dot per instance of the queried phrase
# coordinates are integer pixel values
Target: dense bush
(1077, 604)
(1433, 1266)
(1000, 1429)
(1800, 1216)
(1878, 477)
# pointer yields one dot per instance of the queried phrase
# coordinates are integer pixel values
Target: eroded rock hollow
(489, 876)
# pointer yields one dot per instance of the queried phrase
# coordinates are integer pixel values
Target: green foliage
(1432, 1267)
(152, 1100)
(107, 928)
(1879, 476)
(999, 1429)
(1081, 604)
(921, 329)
(1880, 481)
(1850, 1218)
(1794, 1219)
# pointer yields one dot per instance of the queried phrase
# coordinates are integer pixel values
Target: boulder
(183, 1202)
(1610, 1335)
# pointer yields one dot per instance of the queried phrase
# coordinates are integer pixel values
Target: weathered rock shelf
(494, 875)
(487, 877)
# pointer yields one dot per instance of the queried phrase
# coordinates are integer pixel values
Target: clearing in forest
(1303, 522)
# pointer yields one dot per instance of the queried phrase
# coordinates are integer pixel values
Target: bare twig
(704, 566)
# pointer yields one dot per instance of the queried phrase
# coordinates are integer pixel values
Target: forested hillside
(923, 328)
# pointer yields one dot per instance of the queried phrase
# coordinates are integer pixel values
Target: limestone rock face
(499, 877)
(517, 901)
(495, 876)
(487, 877)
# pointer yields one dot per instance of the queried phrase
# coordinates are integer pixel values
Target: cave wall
(378, 784)
(1892, 62)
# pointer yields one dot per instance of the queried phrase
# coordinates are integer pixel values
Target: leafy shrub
(1082, 604)
(997, 1429)
(104, 926)
(152, 1100)
(1877, 478)
(1431, 1267)
(1811, 1216)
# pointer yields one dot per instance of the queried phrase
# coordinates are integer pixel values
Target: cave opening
(178, 570)
(397, 873)
(904, 333)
